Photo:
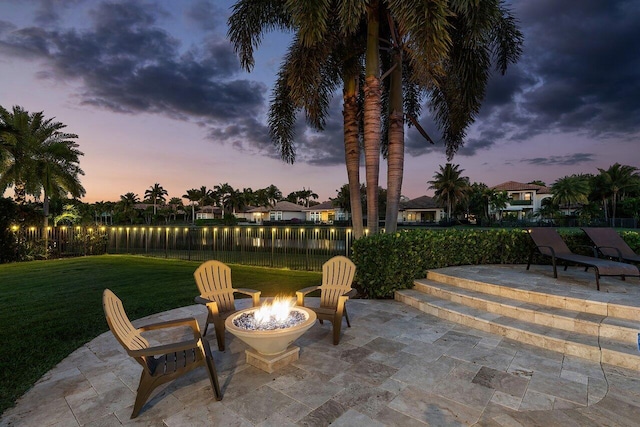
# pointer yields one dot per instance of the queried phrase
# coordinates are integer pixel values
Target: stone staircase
(591, 328)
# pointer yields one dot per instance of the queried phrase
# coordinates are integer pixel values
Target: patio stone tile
(353, 418)
(459, 387)
(240, 383)
(215, 414)
(258, 405)
(433, 409)
(372, 372)
(560, 387)
(397, 360)
(40, 413)
(89, 405)
(313, 392)
(385, 346)
(367, 400)
(493, 358)
(314, 361)
(526, 361)
(107, 421)
(507, 400)
(277, 420)
(536, 401)
(453, 338)
(324, 415)
(501, 381)
(392, 418)
(427, 352)
(355, 354)
(428, 375)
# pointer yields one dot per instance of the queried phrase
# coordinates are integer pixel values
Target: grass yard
(50, 308)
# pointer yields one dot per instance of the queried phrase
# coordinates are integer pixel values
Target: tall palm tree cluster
(388, 57)
(38, 158)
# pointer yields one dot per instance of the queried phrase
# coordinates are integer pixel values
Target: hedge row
(387, 262)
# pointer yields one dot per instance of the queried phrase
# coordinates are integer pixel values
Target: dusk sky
(155, 93)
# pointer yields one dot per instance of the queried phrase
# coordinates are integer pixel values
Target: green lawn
(50, 308)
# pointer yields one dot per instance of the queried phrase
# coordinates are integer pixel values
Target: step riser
(575, 304)
(532, 316)
(550, 343)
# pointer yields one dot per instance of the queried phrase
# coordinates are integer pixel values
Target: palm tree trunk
(372, 95)
(395, 156)
(45, 211)
(352, 153)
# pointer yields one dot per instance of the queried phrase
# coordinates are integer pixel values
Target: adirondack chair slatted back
(337, 276)
(121, 326)
(214, 282)
(549, 237)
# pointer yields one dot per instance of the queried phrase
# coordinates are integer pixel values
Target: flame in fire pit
(278, 309)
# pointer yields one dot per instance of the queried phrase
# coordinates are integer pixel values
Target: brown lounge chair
(549, 243)
(610, 244)
(217, 293)
(160, 363)
(337, 276)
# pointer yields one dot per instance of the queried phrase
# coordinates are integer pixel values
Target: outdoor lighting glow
(64, 228)
(186, 229)
(32, 229)
(237, 228)
(14, 228)
(48, 228)
(317, 230)
(102, 228)
(286, 229)
(78, 228)
(91, 230)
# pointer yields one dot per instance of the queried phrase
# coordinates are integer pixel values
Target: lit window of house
(275, 215)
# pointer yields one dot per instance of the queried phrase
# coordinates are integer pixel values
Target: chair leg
(337, 323)
(211, 369)
(145, 388)
(346, 315)
(219, 326)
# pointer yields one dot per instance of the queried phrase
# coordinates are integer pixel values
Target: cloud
(578, 72)
(206, 15)
(569, 160)
(127, 63)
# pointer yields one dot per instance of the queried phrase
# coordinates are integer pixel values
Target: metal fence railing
(294, 247)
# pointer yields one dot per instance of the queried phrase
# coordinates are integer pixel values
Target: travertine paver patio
(394, 366)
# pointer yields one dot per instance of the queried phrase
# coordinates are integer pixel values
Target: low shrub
(388, 262)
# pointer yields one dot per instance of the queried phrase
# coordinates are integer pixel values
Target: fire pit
(269, 330)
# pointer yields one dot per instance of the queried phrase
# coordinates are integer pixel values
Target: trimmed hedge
(388, 262)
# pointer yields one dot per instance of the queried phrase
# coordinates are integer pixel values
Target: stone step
(592, 347)
(541, 314)
(596, 302)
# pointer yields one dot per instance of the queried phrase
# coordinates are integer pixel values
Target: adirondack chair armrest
(302, 292)
(255, 295)
(202, 300)
(212, 306)
(352, 293)
(165, 348)
(187, 321)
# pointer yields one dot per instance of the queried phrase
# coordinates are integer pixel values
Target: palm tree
(127, 205)
(570, 190)
(498, 202)
(39, 158)
(449, 186)
(156, 193)
(618, 178)
(193, 196)
(273, 194)
(309, 75)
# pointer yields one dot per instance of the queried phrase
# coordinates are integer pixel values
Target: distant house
(421, 210)
(245, 213)
(524, 199)
(282, 211)
(325, 213)
(209, 212)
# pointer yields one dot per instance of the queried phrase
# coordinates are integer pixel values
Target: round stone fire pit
(271, 337)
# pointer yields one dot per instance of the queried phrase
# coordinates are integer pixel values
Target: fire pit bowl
(272, 341)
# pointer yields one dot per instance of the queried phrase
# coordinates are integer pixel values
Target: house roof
(324, 206)
(283, 206)
(210, 209)
(423, 202)
(519, 186)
